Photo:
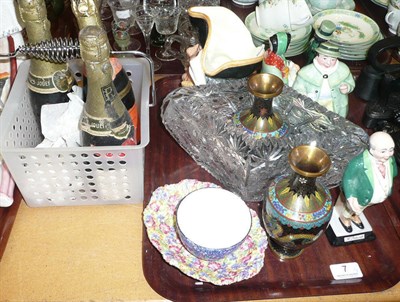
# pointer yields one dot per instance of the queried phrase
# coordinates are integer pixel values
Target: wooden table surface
(95, 253)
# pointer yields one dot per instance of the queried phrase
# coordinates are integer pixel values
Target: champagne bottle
(105, 120)
(87, 13)
(48, 83)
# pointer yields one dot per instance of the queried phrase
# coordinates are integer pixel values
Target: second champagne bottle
(87, 13)
(105, 120)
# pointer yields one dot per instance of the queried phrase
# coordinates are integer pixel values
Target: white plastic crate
(73, 176)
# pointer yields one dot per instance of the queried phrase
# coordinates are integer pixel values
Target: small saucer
(244, 3)
(158, 217)
(382, 3)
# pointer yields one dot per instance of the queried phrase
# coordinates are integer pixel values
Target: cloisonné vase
(261, 120)
(297, 207)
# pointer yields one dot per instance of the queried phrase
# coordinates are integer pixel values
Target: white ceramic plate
(296, 52)
(353, 58)
(383, 3)
(351, 27)
(358, 47)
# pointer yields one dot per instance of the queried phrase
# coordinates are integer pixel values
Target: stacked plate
(342, 4)
(383, 3)
(298, 43)
(355, 33)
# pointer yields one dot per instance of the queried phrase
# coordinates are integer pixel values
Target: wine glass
(145, 22)
(134, 30)
(166, 17)
(124, 17)
(166, 24)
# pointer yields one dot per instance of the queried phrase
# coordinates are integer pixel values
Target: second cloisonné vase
(298, 208)
(261, 120)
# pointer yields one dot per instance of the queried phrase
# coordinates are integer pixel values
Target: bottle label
(117, 126)
(123, 14)
(119, 129)
(60, 81)
(109, 93)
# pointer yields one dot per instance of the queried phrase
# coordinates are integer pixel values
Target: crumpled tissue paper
(60, 122)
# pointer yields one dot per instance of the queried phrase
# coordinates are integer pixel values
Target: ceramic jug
(283, 15)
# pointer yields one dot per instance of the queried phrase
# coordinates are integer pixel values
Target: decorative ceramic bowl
(228, 48)
(212, 223)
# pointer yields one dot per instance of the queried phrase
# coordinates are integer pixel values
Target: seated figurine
(274, 60)
(368, 179)
(327, 80)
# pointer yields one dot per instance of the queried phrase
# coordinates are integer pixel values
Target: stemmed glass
(146, 23)
(166, 17)
(134, 30)
(124, 18)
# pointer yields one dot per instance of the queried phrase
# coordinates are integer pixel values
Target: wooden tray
(308, 275)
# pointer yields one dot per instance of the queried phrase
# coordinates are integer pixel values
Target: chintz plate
(158, 217)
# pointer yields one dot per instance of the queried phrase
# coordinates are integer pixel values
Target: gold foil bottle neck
(32, 10)
(86, 12)
(94, 45)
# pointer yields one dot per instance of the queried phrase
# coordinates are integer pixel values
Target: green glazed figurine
(368, 179)
(327, 80)
(274, 60)
(322, 34)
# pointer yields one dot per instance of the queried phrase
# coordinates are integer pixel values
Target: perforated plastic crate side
(73, 176)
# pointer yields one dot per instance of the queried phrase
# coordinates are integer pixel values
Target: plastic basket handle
(136, 53)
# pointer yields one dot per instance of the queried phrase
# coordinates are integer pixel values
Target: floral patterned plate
(383, 3)
(351, 27)
(158, 217)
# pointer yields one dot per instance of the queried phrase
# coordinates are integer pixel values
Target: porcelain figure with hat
(326, 80)
(322, 34)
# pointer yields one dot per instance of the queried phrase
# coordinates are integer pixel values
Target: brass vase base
(261, 127)
(283, 253)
